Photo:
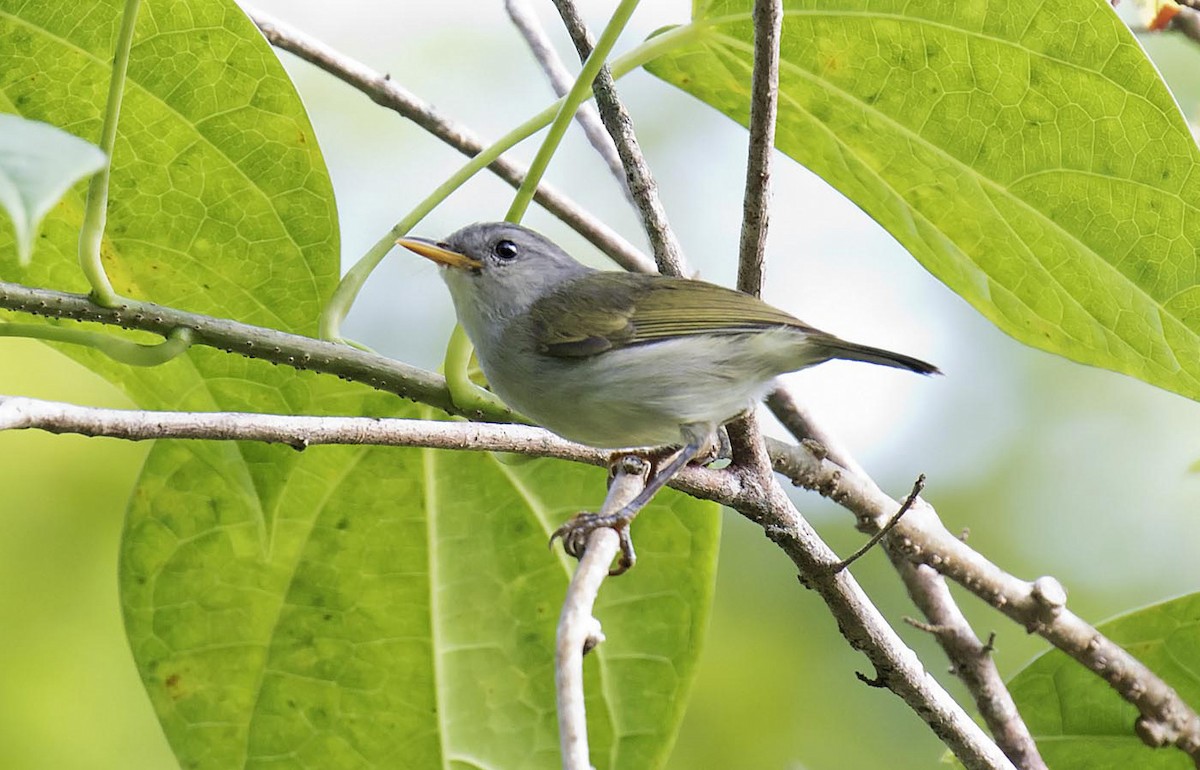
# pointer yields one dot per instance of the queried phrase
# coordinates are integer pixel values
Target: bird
(618, 359)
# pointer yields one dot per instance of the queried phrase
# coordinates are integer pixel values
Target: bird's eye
(505, 250)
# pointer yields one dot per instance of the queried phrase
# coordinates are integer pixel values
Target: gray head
(496, 270)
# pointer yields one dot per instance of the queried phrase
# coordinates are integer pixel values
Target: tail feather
(852, 351)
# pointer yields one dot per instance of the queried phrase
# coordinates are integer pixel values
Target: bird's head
(496, 270)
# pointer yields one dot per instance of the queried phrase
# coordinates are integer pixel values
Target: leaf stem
(120, 350)
(568, 106)
(91, 234)
(346, 292)
(343, 297)
(466, 395)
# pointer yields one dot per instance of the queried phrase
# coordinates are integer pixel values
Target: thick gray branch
(896, 666)
(969, 657)
(386, 92)
(667, 251)
(1040, 606)
(278, 347)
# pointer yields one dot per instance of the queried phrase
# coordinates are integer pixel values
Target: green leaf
(1080, 722)
(1026, 153)
(38, 163)
(342, 606)
(332, 631)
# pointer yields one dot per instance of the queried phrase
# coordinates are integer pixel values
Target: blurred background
(1055, 468)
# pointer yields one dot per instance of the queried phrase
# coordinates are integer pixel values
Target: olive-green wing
(606, 310)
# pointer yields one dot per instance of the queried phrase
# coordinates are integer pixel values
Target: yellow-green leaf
(1080, 723)
(1026, 153)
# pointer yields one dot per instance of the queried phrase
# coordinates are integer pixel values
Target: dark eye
(505, 250)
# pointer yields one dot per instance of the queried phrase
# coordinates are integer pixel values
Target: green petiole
(120, 350)
(91, 234)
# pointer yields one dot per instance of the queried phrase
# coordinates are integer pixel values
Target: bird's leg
(575, 531)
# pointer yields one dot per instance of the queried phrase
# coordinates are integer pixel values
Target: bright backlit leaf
(1026, 153)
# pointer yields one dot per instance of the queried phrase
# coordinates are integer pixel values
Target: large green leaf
(418, 634)
(342, 606)
(1077, 719)
(1027, 153)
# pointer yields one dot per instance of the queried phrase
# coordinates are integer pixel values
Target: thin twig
(578, 631)
(302, 431)
(388, 93)
(971, 661)
(764, 95)
(667, 252)
(297, 431)
(768, 18)
(882, 532)
(527, 24)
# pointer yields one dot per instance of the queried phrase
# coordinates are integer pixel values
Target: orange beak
(440, 254)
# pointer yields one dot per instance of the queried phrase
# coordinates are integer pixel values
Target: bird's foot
(574, 534)
(716, 452)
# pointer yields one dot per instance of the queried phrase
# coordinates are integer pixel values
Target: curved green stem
(91, 234)
(120, 350)
(466, 395)
(347, 290)
(568, 106)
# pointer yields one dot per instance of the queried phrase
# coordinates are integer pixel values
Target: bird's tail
(852, 351)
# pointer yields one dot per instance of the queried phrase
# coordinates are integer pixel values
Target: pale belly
(640, 396)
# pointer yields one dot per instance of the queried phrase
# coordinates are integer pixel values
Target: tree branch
(896, 666)
(929, 592)
(667, 251)
(971, 661)
(561, 80)
(302, 431)
(297, 431)
(754, 492)
(1039, 606)
(278, 347)
(578, 631)
(764, 95)
(387, 93)
(768, 18)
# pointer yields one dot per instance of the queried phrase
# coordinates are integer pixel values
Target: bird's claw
(574, 535)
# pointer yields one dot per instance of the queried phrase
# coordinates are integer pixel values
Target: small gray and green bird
(615, 359)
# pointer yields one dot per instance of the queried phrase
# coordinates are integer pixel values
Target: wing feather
(606, 310)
